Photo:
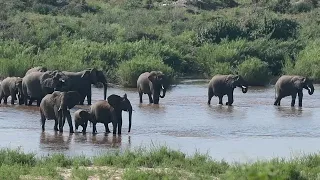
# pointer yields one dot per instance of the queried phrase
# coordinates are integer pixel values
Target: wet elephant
(291, 86)
(81, 82)
(221, 85)
(38, 84)
(11, 86)
(103, 112)
(57, 106)
(152, 83)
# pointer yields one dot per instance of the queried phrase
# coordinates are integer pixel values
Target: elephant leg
(69, 119)
(25, 100)
(94, 128)
(300, 95)
(89, 96)
(114, 124)
(293, 101)
(43, 120)
(119, 126)
(84, 127)
(210, 95)
(56, 122)
(140, 96)
(150, 98)
(39, 101)
(277, 101)
(30, 101)
(230, 99)
(5, 99)
(220, 100)
(106, 127)
(13, 98)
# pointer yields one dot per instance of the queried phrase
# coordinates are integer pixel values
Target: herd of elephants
(56, 92)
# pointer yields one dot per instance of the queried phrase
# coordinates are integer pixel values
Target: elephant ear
(152, 76)
(299, 82)
(69, 100)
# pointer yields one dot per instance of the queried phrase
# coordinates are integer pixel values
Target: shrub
(254, 71)
(129, 71)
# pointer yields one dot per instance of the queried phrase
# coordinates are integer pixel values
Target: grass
(155, 163)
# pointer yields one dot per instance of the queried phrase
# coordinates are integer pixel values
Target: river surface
(251, 129)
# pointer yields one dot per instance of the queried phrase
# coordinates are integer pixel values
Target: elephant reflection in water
(55, 141)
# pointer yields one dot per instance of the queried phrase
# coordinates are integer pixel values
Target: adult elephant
(110, 112)
(11, 86)
(81, 82)
(38, 84)
(291, 86)
(221, 85)
(36, 69)
(151, 83)
(57, 106)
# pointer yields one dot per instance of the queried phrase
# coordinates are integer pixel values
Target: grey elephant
(56, 106)
(151, 83)
(291, 86)
(11, 86)
(103, 112)
(81, 118)
(38, 84)
(36, 69)
(81, 82)
(221, 85)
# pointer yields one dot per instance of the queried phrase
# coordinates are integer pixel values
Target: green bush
(129, 71)
(254, 71)
(308, 62)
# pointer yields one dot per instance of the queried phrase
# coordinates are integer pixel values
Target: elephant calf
(291, 86)
(221, 85)
(81, 118)
(56, 106)
(11, 86)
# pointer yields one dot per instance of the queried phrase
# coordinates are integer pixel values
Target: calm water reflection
(252, 128)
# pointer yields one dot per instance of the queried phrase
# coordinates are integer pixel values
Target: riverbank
(157, 163)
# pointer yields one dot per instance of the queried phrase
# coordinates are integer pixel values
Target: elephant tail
(275, 93)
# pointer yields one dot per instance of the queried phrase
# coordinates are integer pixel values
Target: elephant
(57, 106)
(38, 84)
(221, 85)
(291, 86)
(81, 82)
(110, 111)
(81, 118)
(11, 86)
(151, 83)
(36, 69)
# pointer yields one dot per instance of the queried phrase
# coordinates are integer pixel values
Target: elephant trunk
(244, 89)
(130, 118)
(163, 92)
(105, 91)
(310, 90)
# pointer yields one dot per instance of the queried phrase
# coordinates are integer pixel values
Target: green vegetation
(182, 38)
(157, 163)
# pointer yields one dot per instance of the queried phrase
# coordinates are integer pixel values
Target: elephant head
(159, 81)
(54, 80)
(306, 83)
(90, 73)
(238, 81)
(121, 104)
(68, 100)
(18, 86)
(102, 79)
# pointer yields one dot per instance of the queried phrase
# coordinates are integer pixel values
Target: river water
(251, 129)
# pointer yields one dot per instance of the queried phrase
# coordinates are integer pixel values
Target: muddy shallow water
(251, 129)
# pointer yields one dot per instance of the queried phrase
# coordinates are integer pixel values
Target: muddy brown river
(251, 129)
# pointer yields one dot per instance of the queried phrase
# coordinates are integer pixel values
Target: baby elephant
(81, 118)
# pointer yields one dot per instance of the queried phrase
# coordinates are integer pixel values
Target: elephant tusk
(244, 87)
(62, 80)
(162, 87)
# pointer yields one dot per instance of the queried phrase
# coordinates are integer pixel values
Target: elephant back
(101, 112)
(31, 84)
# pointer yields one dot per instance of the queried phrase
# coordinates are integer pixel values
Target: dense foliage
(258, 39)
